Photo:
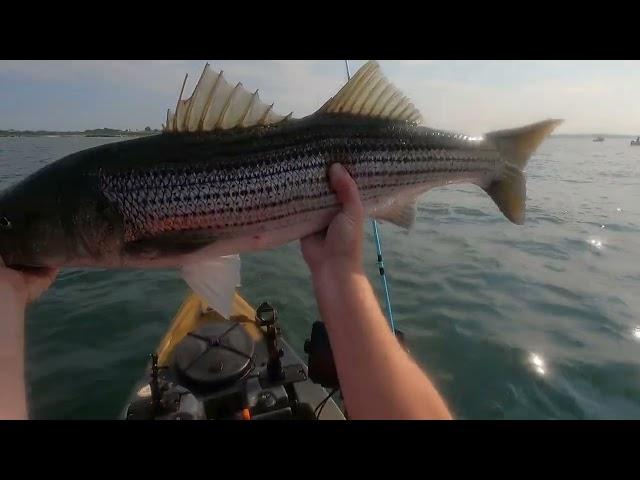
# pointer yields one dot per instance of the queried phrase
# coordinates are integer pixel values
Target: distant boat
(598, 139)
(635, 142)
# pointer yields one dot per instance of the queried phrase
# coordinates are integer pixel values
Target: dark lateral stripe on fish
(464, 166)
(201, 218)
(140, 220)
(113, 186)
(193, 175)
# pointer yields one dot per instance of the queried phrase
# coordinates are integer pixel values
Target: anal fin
(215, 280)
(400, 213)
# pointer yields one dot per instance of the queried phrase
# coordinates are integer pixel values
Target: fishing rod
(380, 262)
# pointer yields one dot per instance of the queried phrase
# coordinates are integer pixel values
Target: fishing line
(376, 236)
(321, 405)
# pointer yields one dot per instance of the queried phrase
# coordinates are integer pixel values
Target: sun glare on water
(538, 363)
(594, 242)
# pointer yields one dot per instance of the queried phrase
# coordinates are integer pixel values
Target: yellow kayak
(209, 367)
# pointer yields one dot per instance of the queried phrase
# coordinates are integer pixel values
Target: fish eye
(5, 223)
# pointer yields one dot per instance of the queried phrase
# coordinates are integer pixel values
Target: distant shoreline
(98, 133)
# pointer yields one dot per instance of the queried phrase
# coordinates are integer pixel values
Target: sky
(471, 97)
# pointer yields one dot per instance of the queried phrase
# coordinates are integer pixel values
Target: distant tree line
(97, 132)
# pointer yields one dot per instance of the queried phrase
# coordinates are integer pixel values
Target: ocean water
(540, 321)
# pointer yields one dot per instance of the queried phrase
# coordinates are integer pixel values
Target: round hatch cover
(214, 354)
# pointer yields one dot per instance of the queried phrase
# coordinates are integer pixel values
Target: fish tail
(516, 147)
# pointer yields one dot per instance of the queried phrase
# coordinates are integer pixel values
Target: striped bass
(229, 175)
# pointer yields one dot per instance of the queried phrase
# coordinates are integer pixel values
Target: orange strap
(246, 414)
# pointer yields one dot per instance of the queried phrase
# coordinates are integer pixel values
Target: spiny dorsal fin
(217, 105)
(370, 94)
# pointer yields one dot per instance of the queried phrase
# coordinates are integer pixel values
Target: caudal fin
(516, 147)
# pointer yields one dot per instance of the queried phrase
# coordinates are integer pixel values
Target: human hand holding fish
(26, 284)
(339, 247)
(349, 309)
(17, 289)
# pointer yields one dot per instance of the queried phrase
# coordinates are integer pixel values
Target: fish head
(31, 232)
(55, 219)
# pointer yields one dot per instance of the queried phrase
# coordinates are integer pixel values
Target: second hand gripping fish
(229, 175)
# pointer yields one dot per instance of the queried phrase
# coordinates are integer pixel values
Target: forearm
(377, 377)
(13, 405)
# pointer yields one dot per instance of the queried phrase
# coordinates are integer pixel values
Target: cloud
(159, 76)
(300, 86)
(600, 103)
(141, 91)
(468, 96)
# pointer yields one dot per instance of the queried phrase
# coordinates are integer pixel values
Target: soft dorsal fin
(217, 105)
(370, 94)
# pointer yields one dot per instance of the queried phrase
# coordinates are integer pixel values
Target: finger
(346, 190)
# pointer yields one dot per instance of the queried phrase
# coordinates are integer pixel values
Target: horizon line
(564, 134)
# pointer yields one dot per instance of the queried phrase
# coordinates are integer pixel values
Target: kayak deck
(250, 393)
(193, 313)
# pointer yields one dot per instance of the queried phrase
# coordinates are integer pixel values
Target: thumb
(346, 190)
